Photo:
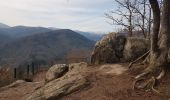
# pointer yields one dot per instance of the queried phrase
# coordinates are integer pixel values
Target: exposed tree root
(146, 60)
(153, 80)
(148, 84)
(151, 84)
(138, 80)
(130, 65)
(142, 74)
(162, 74)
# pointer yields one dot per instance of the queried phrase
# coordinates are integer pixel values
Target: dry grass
(6, 76)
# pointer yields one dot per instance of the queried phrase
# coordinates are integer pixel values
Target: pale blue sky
(84, 15)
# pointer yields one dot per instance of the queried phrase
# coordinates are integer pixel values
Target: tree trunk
(143, 18)
(130, 24)
(156, 25)
(149, 25)
(159, 44)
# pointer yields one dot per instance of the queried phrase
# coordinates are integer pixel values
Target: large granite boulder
(56, 71)
(109, 49)
(70, 82)
(135, 47)
(114, 48)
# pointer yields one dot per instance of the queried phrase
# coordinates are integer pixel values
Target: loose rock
(56, 71)
(70, 82)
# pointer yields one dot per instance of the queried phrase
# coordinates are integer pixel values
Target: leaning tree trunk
(159, 42)
(159, 39)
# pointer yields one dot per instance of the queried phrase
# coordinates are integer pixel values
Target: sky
(84, 15)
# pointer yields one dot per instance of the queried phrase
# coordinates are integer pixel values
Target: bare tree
(133, 15)
(143, 17)
(160, 39)
(149, 22)
(125, 12)
(140, 12)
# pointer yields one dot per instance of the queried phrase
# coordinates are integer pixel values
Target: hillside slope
(4, 25)
(91, 35)
(22, 31)
(4, 39)
(43, 47)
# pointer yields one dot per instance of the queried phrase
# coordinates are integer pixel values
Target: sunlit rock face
(114, 48)
(68, 83)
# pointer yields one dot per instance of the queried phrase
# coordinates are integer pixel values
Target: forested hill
(43, 47)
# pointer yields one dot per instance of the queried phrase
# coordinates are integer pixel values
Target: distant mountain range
(22, 31)
(4, 25)
(92, 35)
(20, 45)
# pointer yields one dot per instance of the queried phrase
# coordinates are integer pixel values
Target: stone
(109, 49)
(114, 48)
(56, 71)
(134, 48)
(72, 81)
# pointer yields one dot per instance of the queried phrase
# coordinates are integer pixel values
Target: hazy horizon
(65, 14)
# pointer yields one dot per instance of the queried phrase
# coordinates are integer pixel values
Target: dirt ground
(117, 86)
(107, 82)
(21, 91)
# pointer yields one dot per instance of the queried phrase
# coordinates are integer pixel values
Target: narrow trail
(107, 82)
(115, 69)
(112, 82)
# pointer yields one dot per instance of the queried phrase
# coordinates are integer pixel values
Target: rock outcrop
(134, 48)
(56, 71)
(77, 67)
(116, 48)
(70, 82)
(14, 84)
(105, 50)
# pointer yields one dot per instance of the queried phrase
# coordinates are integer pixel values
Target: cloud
(86, 15)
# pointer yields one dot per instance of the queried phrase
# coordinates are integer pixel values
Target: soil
(21, 91)
(117, 85)
(107, 82)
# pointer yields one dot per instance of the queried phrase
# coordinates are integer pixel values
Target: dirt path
(115, 69)
(107, 82)
(112, 82)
